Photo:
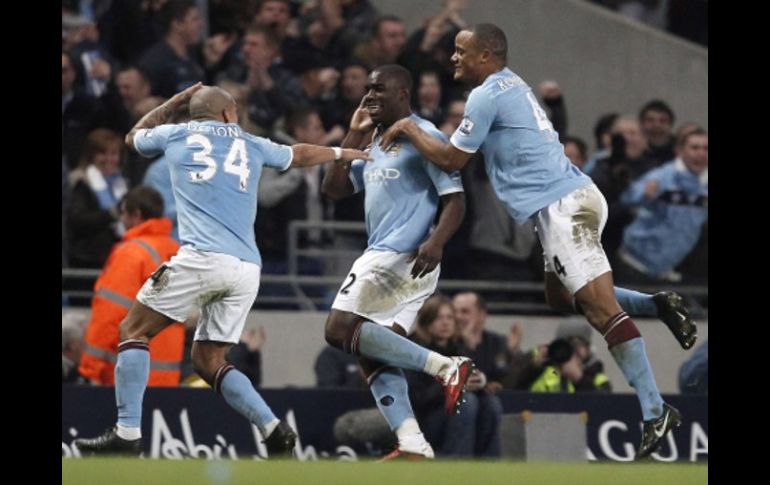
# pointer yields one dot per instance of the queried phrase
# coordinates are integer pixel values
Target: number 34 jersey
(215, 169)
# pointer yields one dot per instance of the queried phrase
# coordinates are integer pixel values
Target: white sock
(128, 433)
(436, 363)
(269, 427)
(408, 428)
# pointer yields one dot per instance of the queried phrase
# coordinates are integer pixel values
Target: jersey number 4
(236, 162)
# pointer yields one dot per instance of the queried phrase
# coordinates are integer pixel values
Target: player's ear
(224, 116)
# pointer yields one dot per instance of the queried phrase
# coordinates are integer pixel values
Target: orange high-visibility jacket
(144, 247)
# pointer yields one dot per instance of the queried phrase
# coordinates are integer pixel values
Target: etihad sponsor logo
(381, 175)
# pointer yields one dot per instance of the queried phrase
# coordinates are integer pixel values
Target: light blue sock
(385, 345)
(635, 303)
(237, 390)
(632, 360)
(131, 373)
(391, 392)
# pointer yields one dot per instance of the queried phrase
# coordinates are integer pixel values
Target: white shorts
(380, 288)
(223, 287)
(570, 231)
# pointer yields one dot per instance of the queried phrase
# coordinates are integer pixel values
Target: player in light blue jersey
(533, 178)
(378, 302)
(215, 169)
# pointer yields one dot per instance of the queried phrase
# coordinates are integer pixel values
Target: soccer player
(378, 301)
(533, 178)
(215, 169)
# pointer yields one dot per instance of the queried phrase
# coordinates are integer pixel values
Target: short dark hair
(174, 10)
(297, 119)
(146, 199)
(481, 303)
(603, 125)
(492, 38)
(381, 20)
(657, 105)
(393, 71)
(271, 37)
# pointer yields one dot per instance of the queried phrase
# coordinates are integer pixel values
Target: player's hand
(360, 121)
(514, 337)
(350, 154)
(426, 258)
(651, 189)
(184, 96)
(493, 387)
(391, 133)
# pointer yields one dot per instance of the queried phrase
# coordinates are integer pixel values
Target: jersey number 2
(236, 162)
(344, 289)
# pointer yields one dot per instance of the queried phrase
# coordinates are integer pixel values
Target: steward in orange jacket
(146, 244)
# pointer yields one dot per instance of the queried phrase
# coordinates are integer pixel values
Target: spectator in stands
(454, 436)
(335, 368)
(603, 139)
(672, 205)
(273, 90)
(613, 175)
(428, 100)
(71, 348)
(489, 352)
(80, 113)
(578, 333)
(130, 88)
(289, 195)
(562, 369)
(274, 15)
(657, 121)
(576, 150)
(387, 39)
(553, 99)
(454, 115)
(694, 373)
(430, 47)
(170, 63)
(349, 22)
(146, 244)
(97, 187)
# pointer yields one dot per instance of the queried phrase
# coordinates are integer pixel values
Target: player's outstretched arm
(429, 254)
(163, 113)
(444, 155)
(306, 155)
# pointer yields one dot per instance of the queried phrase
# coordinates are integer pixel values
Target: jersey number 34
(236, 162)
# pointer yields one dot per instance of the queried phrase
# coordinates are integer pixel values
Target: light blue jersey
(215, 169)
(524, 159)
(402, 192)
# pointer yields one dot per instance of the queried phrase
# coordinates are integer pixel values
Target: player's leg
(570, 232)
(378, 283)
(665, 305)
(131, 373)
(221, 325)
(391, 393)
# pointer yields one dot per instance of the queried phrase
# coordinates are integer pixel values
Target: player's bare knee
(335, 330)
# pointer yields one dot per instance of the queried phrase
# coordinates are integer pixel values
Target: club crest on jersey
(393, 150)
(466, 126)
